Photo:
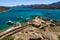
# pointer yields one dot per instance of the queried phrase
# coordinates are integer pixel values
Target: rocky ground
(38, 29)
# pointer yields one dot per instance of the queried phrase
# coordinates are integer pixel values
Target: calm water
(25, 12)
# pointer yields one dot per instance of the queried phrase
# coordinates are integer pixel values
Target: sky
(25, 2)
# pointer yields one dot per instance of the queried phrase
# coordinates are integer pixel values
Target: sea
(13, 13)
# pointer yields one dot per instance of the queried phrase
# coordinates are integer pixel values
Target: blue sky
(25, 2)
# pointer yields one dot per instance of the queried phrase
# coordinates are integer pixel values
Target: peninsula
(2, 8)
(38, 28)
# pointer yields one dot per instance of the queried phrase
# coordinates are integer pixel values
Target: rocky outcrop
(29, 33)
(35, 29)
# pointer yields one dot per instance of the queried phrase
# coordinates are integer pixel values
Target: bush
(59, 37)
(8, 38)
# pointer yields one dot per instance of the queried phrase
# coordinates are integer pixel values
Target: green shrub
(8, 38)
(59, 37)
(0, 39)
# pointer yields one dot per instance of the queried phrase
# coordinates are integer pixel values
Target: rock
(35, 39)
(17, 24)
(52, 25)
(10, 22)
(29, 33)
(35, 24)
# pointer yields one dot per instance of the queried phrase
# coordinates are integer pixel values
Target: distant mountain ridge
(42, 6)
(35, 6)
(56, 4)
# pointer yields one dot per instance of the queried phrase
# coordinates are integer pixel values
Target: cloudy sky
(25, 2)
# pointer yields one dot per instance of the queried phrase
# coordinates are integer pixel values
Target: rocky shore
(38, 28)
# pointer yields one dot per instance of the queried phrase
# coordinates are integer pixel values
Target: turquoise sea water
(26, 12)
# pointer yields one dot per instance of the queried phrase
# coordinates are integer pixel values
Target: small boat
(48, 13)
(27, 19)
(10, 22)
(19, 17)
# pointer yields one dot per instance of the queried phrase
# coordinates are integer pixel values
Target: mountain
(56, 5)
(38, 6)
(2, 8)
(45, 6)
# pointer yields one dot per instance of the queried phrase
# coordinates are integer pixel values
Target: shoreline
(25, 22)
(5, 10)
(5, 29)
(43, 25)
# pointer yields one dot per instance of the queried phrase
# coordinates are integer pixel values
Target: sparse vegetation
(59, 37)
(0, 39)
(8, 38)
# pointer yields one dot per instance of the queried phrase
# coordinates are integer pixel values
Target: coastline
(43, 25)
(26, 21)
(5, 10)
(5, 29)
(23, 23)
